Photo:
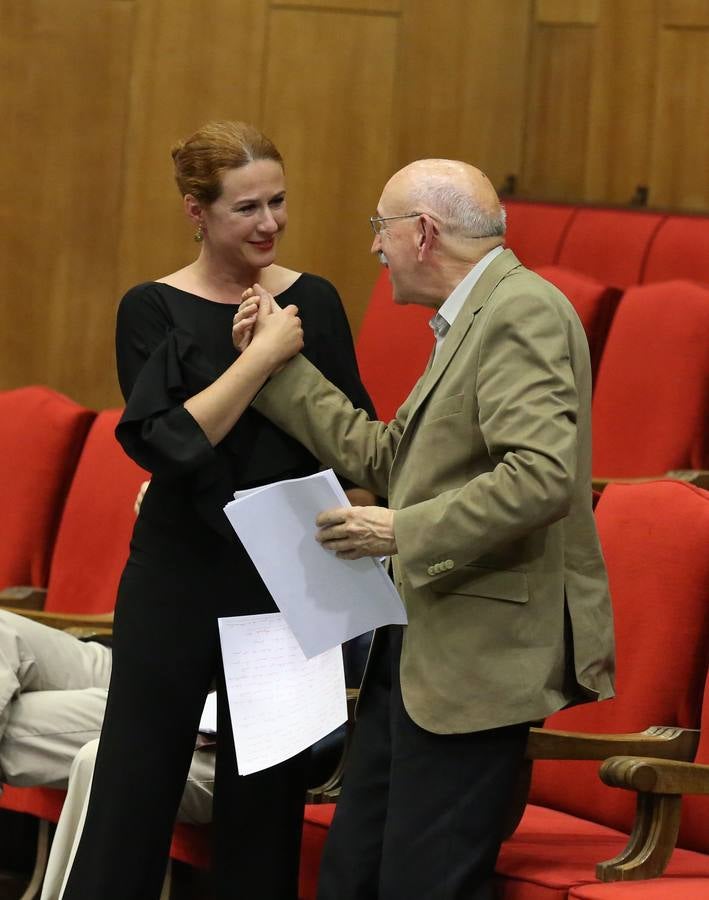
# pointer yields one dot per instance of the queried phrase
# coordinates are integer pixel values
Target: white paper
(279, 701)
(325, 600)
(208, 722)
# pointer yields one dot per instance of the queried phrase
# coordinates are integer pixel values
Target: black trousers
(421, 814)
(165, 656)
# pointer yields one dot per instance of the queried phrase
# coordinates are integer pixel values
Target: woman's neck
(220, 280)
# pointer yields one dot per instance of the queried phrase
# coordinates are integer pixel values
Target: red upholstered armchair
(42, 434)
(595, 304)
(680, 249)
(91, 549)
(651, 402)
(610, 245)
(535, 231)
(393, 346)
(654, 537)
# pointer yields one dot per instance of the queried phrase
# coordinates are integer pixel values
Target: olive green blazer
(487, 465)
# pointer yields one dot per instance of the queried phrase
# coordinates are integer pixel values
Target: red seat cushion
(41, 435)
(609, 245)
(665, 888)
(680, 250)
(393, 347)
(654, 537)
(552, 852)
(595, 305)
(96, 525)
(45, 803)
(535, 230)
(651, 402)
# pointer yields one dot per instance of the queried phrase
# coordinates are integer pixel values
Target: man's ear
(426, 234)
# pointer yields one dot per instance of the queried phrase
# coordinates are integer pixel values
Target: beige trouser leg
(52, 699)
(195, 807)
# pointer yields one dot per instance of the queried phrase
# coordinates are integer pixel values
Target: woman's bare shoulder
(276, 279)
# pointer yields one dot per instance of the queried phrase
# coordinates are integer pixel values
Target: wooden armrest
(82, 625)
(698, 477)
(655, 776)
(23, 597)
(659, 741)
(329, 791)
(659, 785)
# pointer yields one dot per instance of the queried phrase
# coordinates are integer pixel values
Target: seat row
(574, 838)
(617, 247)
(650, 357)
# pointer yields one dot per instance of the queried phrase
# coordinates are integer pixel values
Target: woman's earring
(199, 234)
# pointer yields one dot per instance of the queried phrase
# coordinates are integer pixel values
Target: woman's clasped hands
(261, 323)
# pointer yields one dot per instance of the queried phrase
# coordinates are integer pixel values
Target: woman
(187, 420)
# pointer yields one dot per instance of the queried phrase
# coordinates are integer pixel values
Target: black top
(170, 345)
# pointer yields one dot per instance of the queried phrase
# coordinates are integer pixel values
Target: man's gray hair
(457, 209)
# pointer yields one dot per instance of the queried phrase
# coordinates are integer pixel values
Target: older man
(487, 470)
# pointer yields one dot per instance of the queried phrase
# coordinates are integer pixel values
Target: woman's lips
(264, 245)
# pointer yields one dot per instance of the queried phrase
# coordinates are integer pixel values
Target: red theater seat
(680, 250)
(393, 347)
(90, 552)
(42, 434)
(651, 402)
(535, 230)
(594, 303)
(609, 245)
(654, 538)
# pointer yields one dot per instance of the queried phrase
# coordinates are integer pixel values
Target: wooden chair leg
(40, 862)
(651, 843)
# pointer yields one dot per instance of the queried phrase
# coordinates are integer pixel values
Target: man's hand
(355, 531)
(260, 322)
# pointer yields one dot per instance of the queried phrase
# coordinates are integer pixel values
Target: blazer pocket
(447, 406)
(479, 581)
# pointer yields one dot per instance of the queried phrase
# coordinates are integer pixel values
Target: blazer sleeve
(301, 401)
(527, 405)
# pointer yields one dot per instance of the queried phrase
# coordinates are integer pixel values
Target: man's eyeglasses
(377, 222)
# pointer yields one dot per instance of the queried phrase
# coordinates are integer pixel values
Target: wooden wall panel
(64, 91)
(193, 62)
(622, 101)
(328, 104)
(581, 99)
(680, 138)
(386, 6)
(461, 83)
(557, 117)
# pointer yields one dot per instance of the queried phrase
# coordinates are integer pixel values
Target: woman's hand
(261, 324)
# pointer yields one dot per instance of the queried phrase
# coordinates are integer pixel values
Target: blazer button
(448, 564)
(431, 570)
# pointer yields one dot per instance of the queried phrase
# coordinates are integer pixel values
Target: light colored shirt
(453, 304)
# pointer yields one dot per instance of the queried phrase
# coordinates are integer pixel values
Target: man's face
(395, 244)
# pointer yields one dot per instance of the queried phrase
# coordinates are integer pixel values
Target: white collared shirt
(452, 305)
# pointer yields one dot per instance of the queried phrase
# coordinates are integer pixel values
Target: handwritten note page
(280, 702)
(325, 600)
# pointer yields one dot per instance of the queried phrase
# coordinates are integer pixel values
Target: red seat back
(95, 528)
(393, 347)
(651, 403)
(680, 250)
(609, 245)
(595, 305)
(654, 537)
(694, 832)
(41, 435)
(535, 231)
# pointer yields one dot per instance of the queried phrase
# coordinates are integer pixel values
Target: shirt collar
(454, 302)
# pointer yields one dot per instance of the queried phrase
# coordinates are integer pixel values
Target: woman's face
(242, 226)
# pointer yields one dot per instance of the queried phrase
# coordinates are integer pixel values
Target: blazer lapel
(478, 297)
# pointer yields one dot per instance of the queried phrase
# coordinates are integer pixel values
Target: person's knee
(82, 768)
